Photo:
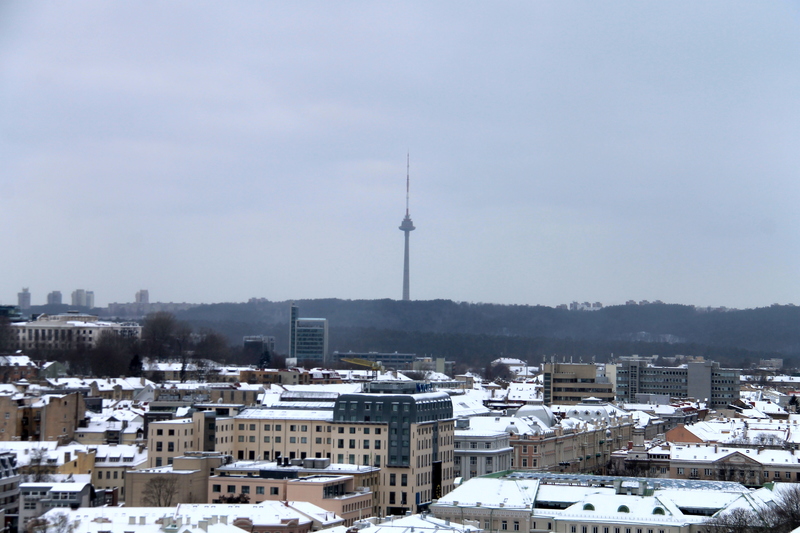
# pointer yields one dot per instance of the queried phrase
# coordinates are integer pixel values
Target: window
(158, 431)
(352, 430)
(241, 438)
(392, 479)
(241, 427)
(352, 443)
(251, 438)
(341, 430)
(232, 488)
(266, 439)
(303, 440)
(377, 431)
(624, 509)
(159, 446)
(680, 471)
(273, 491)
(266, 427)
(171, 432)
(277, 440)
(277, 427)
(377, 445)
(292, 440)
(292, 427)
(404, 480)
(516, 525)
(366, 431)
(504, 525)
(392, 499)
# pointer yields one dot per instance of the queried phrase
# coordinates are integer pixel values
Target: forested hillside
(472, 332)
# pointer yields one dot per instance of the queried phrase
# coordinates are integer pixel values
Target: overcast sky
(218, 151)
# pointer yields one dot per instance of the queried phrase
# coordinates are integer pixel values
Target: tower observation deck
(406, 226)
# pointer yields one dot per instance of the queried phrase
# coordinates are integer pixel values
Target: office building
(24, 299)
(416, 429)
(308, 338)
(703, 380)
(569, 384)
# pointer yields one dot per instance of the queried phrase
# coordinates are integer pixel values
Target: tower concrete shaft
(407, 227)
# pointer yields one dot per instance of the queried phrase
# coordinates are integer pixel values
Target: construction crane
(375, 366)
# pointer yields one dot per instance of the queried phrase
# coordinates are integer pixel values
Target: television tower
(406, 227)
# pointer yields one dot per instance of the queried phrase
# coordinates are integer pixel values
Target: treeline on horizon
(471, 333)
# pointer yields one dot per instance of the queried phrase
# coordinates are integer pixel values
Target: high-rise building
(293, 313)
(54, 298)
(311, 339)
(83, 298)
(24, 299)
(143, 296)
(406, 226)
(308, 337)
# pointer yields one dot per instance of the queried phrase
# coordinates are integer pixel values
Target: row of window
(244, 489)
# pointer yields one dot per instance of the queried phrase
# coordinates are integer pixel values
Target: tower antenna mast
(408, 174)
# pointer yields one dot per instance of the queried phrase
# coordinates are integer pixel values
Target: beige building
(568, 383)
(52, 417)
(338, 494)
(190, 473)
(269, 434)
(204, 432)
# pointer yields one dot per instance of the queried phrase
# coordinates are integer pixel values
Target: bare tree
(38, 470)
(160, 491)
(60, 523)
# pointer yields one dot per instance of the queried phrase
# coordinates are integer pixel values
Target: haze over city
(217, 152)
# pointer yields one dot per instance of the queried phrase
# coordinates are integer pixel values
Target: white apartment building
(67, 331)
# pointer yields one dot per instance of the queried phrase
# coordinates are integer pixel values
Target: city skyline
(561, 152)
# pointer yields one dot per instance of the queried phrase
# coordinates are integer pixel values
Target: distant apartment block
(571, 383)
(704, 380)
(24, 299)
(143, 296)
(54, 298)
(83, 298)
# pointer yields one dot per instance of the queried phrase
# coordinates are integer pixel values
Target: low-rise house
(268, 517)
(40, 497)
